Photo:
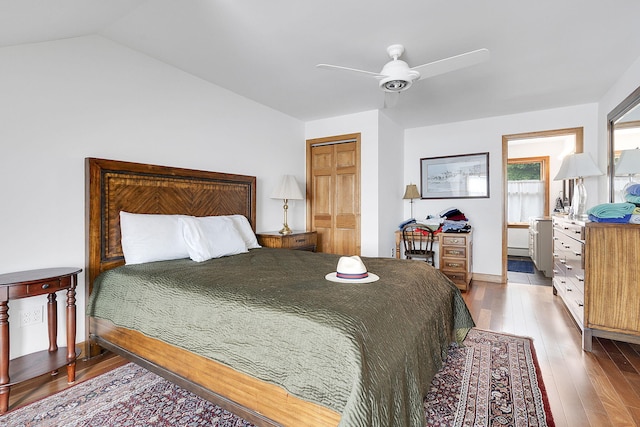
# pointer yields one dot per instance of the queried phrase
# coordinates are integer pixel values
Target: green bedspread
(367, 351)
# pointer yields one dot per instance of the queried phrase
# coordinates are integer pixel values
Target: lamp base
(285, 230)
(579, 202)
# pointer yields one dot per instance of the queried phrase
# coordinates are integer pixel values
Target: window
(527, 189)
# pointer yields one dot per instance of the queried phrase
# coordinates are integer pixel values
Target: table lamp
(628, 164)
(411, 192)
(578, 166)
(287, 190)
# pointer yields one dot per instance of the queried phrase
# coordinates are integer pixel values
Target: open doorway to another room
(530, 162)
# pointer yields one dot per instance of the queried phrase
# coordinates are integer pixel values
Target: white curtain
(525, 199)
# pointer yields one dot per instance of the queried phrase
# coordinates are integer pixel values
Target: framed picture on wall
(455, 177)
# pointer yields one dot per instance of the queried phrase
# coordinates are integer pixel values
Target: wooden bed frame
(114, 186)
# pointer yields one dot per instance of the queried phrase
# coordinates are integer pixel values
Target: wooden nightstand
(26, 284)
(300, 240)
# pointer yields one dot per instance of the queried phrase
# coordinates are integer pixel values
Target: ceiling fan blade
(391, 99)
(452, 63)
(353, 70)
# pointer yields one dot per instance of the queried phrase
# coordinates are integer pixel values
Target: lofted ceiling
(543, 54)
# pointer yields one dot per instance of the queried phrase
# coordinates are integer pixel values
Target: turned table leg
(71, 331)
(4, 356)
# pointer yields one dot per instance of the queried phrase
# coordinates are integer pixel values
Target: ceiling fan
(396, 76)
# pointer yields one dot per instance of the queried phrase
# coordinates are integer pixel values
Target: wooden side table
(26, 284)
(299, 240)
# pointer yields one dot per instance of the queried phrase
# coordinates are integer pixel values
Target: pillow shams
(211, 237)
(244, 228)
(150, 237)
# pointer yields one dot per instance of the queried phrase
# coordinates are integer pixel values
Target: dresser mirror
(623, 128)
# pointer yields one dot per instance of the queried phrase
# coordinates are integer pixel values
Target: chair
(418, 242)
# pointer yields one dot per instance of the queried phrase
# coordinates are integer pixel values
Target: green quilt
(367, 351)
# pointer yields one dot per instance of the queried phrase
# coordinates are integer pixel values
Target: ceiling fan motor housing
(398, 76)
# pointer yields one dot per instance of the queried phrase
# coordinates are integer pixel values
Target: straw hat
(351, 270)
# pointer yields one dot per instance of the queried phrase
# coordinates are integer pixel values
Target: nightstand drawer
(300, 240)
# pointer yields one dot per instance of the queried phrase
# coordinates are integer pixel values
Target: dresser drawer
(453, 264)
(454, 251)
(575, 302)
(456, 240)
(575, 231)
(459, 279)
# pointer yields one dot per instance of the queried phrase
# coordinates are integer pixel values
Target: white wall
(390, 184)
(476, 136)
(89, 97)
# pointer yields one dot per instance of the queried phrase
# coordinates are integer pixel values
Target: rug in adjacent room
(520, 266)
(496, 375)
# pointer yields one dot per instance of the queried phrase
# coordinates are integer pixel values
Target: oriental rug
(492, 380)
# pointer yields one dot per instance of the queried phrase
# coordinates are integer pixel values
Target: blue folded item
(621, 220)
(634, 190)
(611, 210)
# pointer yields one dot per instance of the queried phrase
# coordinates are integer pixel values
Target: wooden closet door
(334, 195)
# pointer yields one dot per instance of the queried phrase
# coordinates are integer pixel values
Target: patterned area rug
(493, 380)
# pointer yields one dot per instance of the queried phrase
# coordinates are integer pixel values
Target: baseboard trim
(491, 278)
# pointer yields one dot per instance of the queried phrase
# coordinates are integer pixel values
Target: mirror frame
(616, 114)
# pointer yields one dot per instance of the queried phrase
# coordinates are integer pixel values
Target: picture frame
(455, 177)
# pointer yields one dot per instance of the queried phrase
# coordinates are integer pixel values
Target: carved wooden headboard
(112, 186)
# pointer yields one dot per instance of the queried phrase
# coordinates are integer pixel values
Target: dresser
(300, 240)
(540, 244)
(455, 259)
(596, 273)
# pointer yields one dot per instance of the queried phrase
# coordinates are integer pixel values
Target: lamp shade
(411, 192)
(287, 189)
(577, 165)
(629, 162)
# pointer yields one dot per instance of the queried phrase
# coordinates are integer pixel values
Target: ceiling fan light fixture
(391, 84)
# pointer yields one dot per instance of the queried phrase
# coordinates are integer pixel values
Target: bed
(283, 346)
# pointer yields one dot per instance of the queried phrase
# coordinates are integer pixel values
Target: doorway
(333, 190)
(513, 147)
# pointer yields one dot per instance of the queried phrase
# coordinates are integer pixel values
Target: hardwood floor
(46, 385)
(596, 389)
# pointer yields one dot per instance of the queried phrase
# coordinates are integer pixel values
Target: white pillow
(149, 237)
(211, 237)
(242, 225)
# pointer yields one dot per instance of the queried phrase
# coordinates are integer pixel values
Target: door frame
(578, 132)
